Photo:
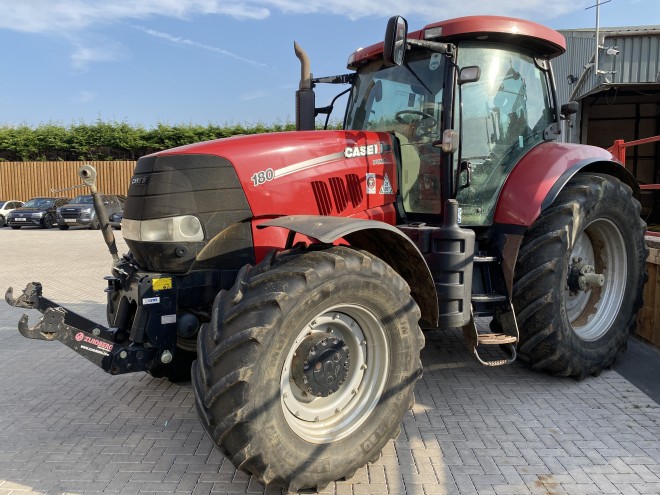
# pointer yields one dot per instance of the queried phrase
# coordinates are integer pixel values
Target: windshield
(389, 98)
(82, 200)
(2, 204)
(406, 100)
(39, 203)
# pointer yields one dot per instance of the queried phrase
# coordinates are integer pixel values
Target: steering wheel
(423, 116)
(422, 125)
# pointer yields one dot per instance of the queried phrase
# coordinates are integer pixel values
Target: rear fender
(538, 177)
(380, 239)
(535, 183)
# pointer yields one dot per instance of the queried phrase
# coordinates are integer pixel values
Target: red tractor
(297, 271)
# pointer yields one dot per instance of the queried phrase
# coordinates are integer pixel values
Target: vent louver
(322, 196)
(354, 189)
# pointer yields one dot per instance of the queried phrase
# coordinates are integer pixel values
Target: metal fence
(25, 180)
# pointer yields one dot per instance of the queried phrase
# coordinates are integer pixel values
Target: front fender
(380, 239)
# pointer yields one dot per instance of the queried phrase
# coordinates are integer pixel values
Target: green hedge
(111, 140)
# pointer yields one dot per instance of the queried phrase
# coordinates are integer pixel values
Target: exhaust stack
(305, 98)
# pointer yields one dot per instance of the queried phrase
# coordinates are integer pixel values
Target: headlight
(38, 215)
(186, 228)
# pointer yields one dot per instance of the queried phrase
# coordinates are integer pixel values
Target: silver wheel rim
(591, 313)
(327, 419)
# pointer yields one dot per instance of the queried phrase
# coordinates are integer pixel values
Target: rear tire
(249, 376)
(565, 329)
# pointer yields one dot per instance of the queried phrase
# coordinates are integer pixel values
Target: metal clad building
(623, 100)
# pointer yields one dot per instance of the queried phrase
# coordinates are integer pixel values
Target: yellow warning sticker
(162, 283)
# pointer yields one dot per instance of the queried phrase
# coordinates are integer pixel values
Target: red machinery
(299, 269)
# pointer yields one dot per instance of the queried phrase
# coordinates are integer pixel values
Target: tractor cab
(457, 98)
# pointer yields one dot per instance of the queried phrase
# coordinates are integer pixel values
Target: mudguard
(540, 175)
(534, 184)
(379, 238)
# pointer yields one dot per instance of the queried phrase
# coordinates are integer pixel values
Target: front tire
(579, 278)
(47, 222)
(308, 365)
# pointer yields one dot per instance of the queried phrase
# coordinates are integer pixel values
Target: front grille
(70, 214)
(206, 186)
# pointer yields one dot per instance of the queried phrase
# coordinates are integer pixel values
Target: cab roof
(542, 40)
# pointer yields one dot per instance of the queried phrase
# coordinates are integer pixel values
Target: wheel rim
(331, 418)
(592, 312)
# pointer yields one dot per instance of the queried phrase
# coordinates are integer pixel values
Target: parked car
(39, 212)
(80, 211)
(115, 220)
(6, 207)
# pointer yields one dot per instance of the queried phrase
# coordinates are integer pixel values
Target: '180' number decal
(263, 176)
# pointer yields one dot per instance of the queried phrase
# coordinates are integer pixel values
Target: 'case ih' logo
(140, 180)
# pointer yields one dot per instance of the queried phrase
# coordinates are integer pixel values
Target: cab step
(493, 297)
(496, 339)
(506, 340)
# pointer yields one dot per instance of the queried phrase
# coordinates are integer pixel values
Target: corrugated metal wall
(25, 180)
(638, 60)
(579, 50)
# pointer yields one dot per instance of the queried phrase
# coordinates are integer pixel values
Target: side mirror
(394, 47)
(469, 74)
(569, 108)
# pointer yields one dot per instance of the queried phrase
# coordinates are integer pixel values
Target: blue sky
(215, 61)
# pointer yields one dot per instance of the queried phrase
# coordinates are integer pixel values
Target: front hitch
(98, 344)
(28, 299)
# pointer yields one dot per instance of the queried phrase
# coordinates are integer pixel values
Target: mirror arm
(340, 79)
(434, 46)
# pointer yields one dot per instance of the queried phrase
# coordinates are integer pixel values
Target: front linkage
(143, 306)
(105, 347)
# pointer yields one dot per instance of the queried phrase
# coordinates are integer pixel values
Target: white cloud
(87, 51)
(178, 40)
(256, 95)
(57, 16)
(84, 97)
(74, 19)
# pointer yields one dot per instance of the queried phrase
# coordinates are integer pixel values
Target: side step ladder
(502, 307)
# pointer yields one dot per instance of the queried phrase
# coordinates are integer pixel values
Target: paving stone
(67, 427)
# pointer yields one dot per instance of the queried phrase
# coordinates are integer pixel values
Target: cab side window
(504, 115)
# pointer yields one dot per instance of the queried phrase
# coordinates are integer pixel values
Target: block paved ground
(67, 427)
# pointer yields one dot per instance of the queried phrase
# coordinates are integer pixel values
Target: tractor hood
(279, 171)
(228, 182)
